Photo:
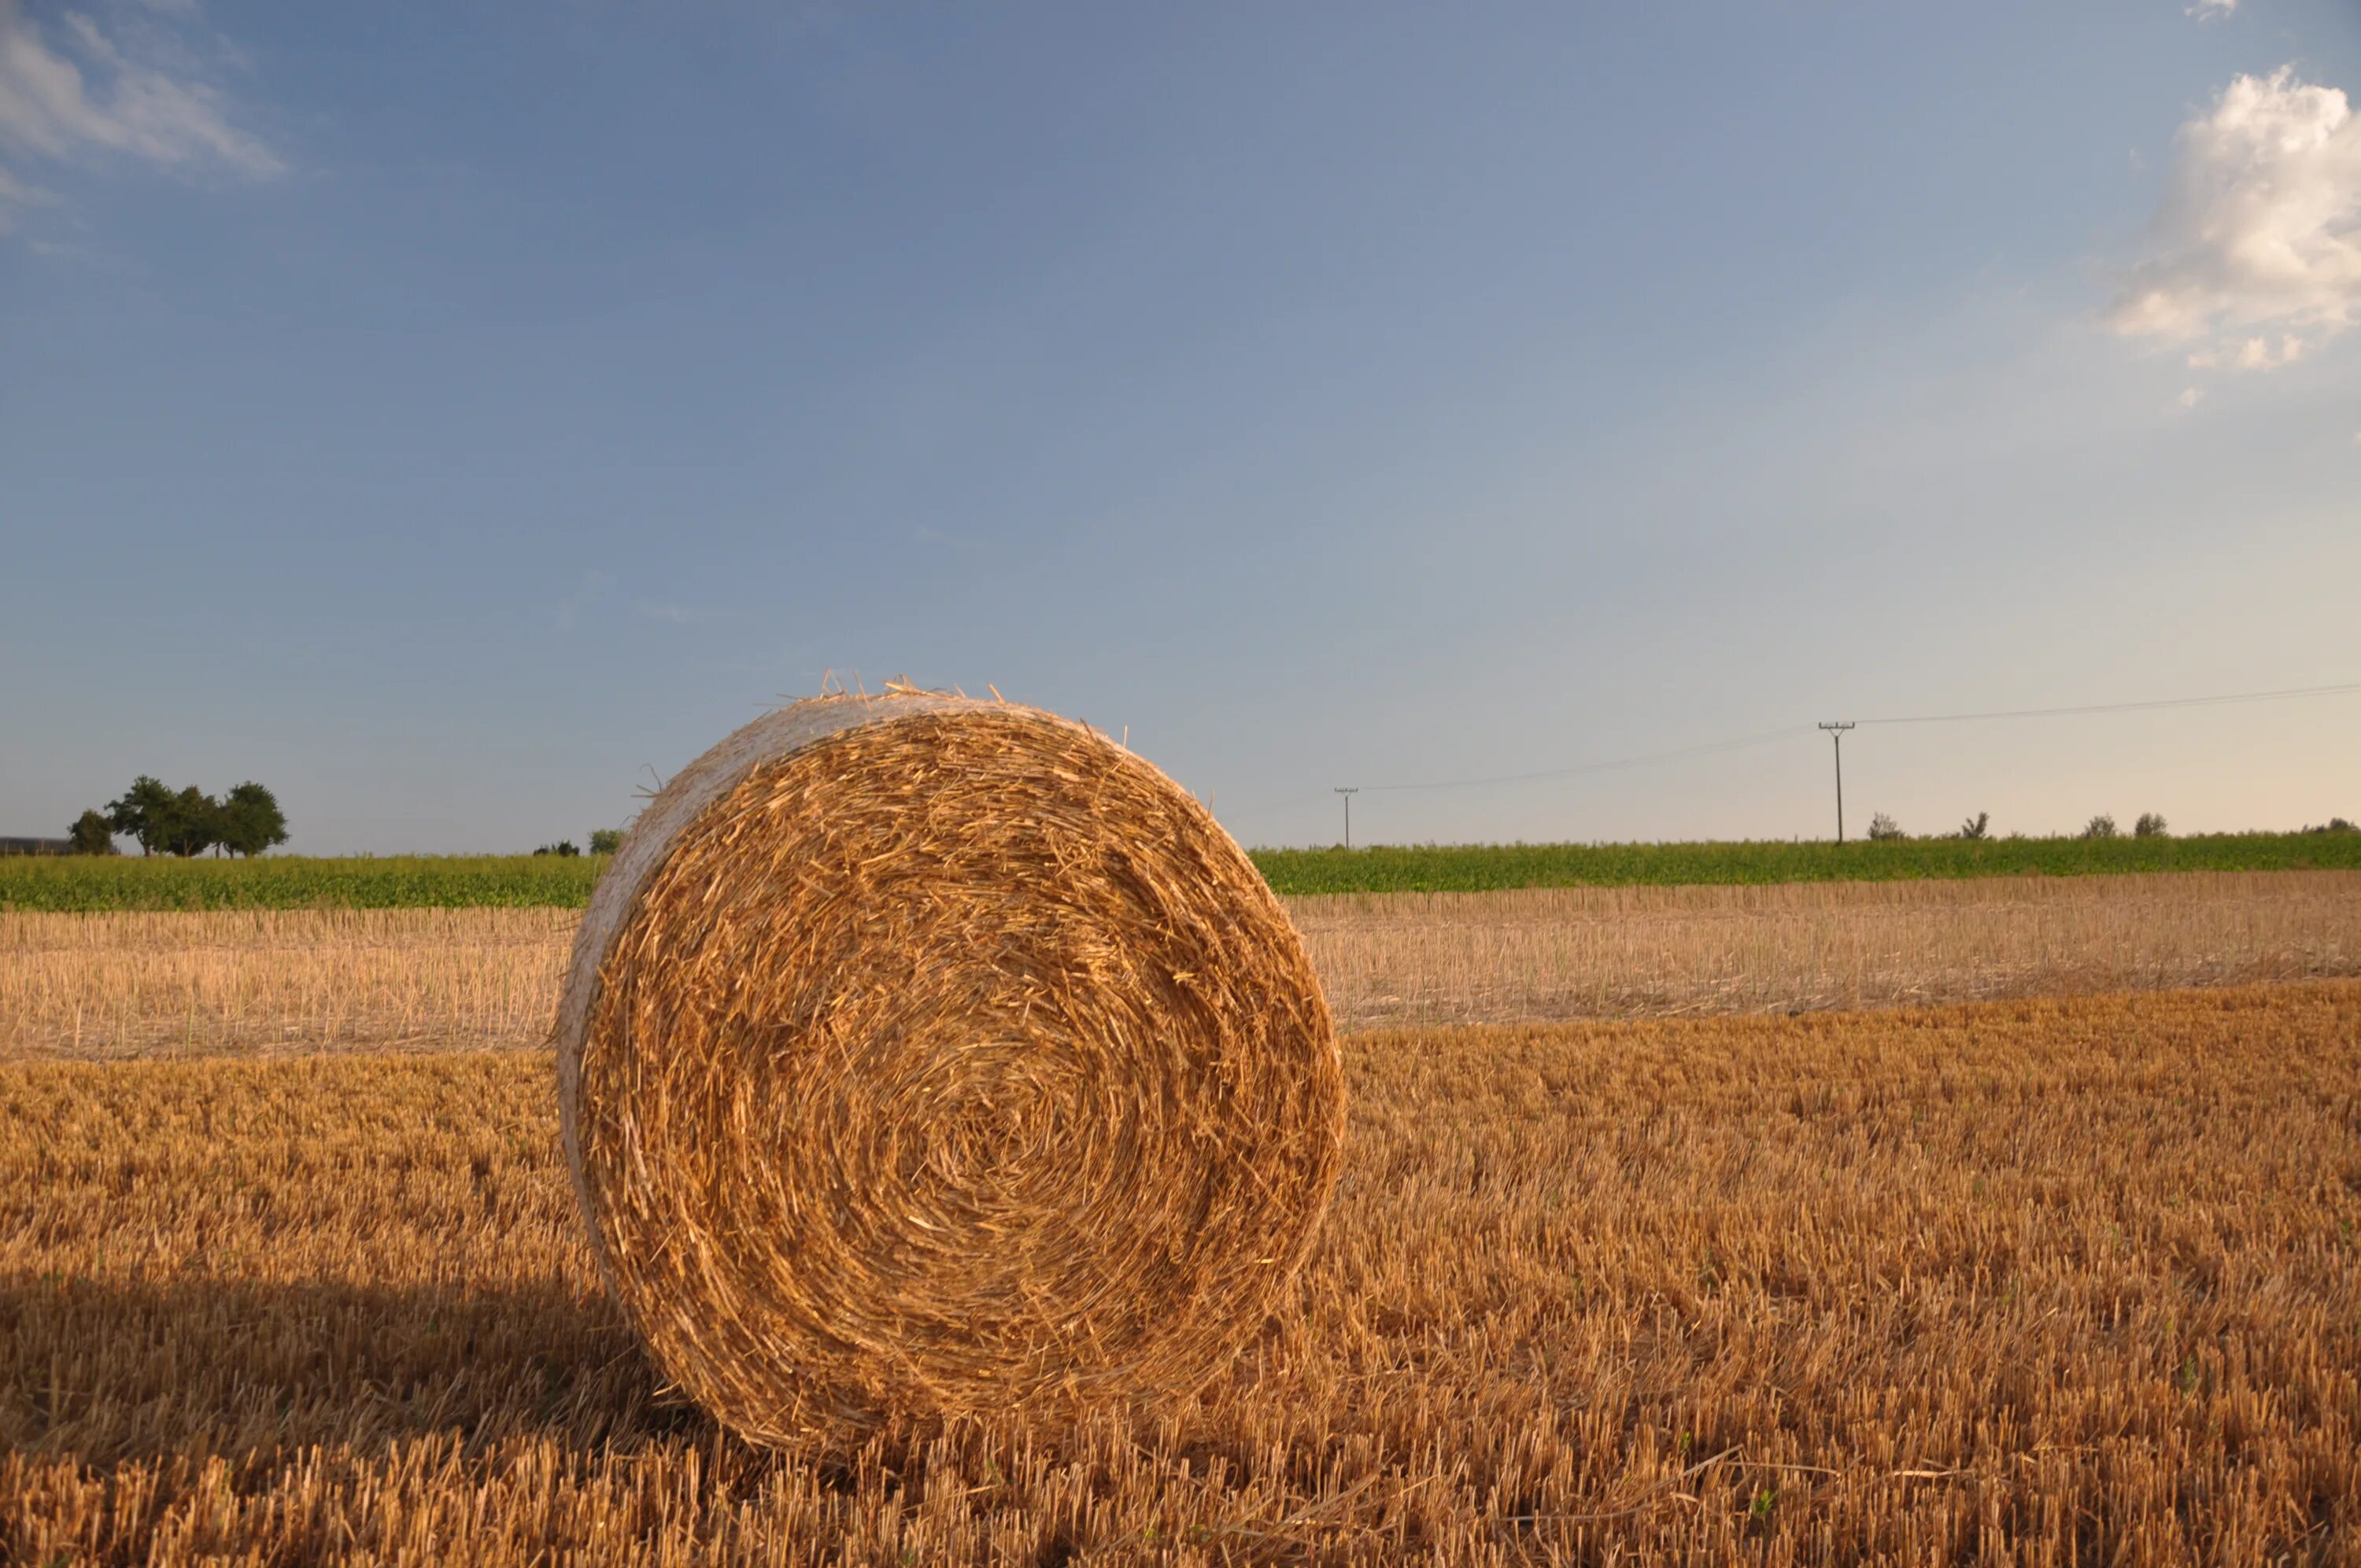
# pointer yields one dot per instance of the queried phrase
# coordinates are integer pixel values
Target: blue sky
(457, 416)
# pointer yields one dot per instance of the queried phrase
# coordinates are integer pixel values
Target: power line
(1740, 742)
(1707, 749)
(2124, 706)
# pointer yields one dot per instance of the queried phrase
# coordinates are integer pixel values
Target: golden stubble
(107, 985)
(2018, 1282)
(276, 981)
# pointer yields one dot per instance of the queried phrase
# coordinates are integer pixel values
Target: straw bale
(922, 1056)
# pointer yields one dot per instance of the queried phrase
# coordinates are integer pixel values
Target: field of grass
(80, 884)
(237, 981)
(2036, 1281)
(96, 883)
(1481, 868)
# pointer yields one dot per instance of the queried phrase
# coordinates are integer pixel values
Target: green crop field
(1478, 868)
(296, 882)
(85, 883)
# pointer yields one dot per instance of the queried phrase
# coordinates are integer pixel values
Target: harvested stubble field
(339, 979)
(2038, 1281)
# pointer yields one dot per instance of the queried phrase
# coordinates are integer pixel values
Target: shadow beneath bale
(110, 1371)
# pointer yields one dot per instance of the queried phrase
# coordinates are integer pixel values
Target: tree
(251, 821)
(2100, 826)
(1882, 827)
(1977, 827)
(606, 840)
(93, 835)
(562, 846)
(143, 811)
(191, 824)
(2149, 825)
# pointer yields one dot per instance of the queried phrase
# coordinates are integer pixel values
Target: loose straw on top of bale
(926, 1056)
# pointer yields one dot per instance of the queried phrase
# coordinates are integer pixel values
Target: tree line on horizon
(184, 822)
(603, 841)
(2151, 825)
(248, 820)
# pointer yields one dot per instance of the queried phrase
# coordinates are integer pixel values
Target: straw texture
(923, 1056)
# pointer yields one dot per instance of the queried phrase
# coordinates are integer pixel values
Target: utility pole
(1836, 733)
(1348, 795)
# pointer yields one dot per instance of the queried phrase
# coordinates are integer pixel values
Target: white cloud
(2189, 396)
(125, 92)
(2254, 354)
(2260, 227)
(2211, 10)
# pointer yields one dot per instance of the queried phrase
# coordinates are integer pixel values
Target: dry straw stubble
(266, 981)
(2025, 1282)
(923, 1056)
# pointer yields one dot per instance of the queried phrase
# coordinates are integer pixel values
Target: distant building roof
(36, 847)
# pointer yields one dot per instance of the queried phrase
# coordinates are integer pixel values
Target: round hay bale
(923, 1056)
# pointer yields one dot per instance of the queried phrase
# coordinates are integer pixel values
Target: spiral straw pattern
(923, 1056)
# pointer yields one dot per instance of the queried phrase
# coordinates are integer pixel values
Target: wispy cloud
(2254, 354)
(2212, 10)
(673, 614)
(2259, 235)
(143, 92)
(14, 195)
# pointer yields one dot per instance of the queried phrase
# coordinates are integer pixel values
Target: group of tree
(2151, 825)
(1882, 828)
(184, 822)
(603, 841)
